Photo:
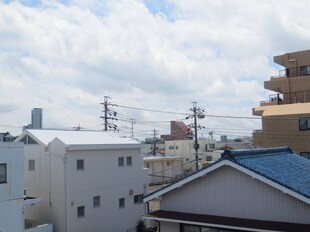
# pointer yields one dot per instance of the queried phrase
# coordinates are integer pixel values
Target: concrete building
(286, 115)
(163, 169)
(185, 148)
(88, 181)
(246, 190)
(36, 118)
(13, 203)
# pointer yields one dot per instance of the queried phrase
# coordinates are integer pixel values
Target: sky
(65, 56)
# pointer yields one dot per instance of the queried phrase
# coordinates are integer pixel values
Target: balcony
(35, 226)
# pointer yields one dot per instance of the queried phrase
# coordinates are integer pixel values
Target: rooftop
(73, 137)
(278, 167)
(277, 164)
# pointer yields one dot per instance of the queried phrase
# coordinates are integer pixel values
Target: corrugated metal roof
(79, 137)
(277, 164)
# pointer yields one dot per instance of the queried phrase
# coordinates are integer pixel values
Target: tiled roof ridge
(257, 152)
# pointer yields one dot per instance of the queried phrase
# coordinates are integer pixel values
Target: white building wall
(102, 177)
(12, 192)
(229, 192)
(47, 182)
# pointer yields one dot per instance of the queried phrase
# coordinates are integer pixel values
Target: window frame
(31, 165)
(305, 155)
(121, 203)
(130, 162)
(121, 161)
(80, 165)
(4, 180)
(138, 199)
(80, 210)
(96, 201)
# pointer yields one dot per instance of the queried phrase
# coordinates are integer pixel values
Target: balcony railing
(293, 72)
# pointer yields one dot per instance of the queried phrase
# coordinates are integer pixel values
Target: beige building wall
(281, 114)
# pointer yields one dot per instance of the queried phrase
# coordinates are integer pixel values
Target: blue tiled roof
(277, 164)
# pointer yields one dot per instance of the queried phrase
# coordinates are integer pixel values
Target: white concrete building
(12, 199)
(88, 181)
(163, 169)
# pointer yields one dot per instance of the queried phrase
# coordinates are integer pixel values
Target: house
(286, 115)
(246, 190)
(163, 169)
(12, 199)
(88, 180)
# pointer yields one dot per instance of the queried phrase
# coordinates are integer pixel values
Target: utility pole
(154, 144)
(197, 113)
(132, 122)
(108, 114)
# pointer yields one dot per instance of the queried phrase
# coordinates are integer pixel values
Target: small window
(148, 165)
(138, 199)
(211, 146)
(129, 160)
(80, 165)
(31, 165)
(171, 147)
(177, 147)
(121, 202)
(96, 201)
(304, 124)
(209, 158)
(81, 211)
(305, 70)
(121, 161)
(305, 155)
(3, 174)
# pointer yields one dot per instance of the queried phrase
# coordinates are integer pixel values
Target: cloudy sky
(65, 56)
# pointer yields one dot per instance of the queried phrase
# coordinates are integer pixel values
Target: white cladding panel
(229, 192)
(12, 192)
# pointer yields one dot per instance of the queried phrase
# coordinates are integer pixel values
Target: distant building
(36, 118)
(179, 131)
(13, 202)
(286, 115)
(6, 137)
(185, 148)
(246, 190)
(163, 169)
(88, 180)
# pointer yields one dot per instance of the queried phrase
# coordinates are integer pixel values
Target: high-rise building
(286, 115)
(36, 118)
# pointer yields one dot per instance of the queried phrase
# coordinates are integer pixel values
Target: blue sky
(65, 56)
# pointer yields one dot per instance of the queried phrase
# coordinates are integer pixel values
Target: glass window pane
(2, 173)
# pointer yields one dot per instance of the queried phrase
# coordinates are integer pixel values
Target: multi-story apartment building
(88, 180)
(286, 115)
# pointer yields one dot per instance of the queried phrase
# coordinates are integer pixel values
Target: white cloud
(66, 57)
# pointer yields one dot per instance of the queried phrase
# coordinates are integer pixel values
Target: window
(80, 165)
(96, 201)
(171, 147)
(81, 211)
(176, 147)
(31, 165)
(148, 165)
(211, 146)
(121, 161)
(194, 228)
(304, 124)
(305, 155)
(129, 160)
(28, 140)
(209, 158)
(305, 70)
(138, 199)
(2, 173)
(121, 202)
